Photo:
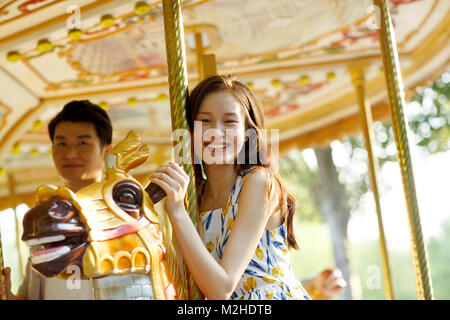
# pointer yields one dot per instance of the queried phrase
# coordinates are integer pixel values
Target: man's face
(77, 152)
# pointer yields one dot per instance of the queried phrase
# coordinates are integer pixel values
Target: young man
(81, 136)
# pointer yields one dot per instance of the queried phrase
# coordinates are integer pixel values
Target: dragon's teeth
(49, 254)
(44, 240)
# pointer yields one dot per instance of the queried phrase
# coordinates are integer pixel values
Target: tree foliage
(428, 115)
(304, 183)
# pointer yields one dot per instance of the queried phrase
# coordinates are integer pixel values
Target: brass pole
(199, 54)
(357, 74)
(178, 90)
(206, 63)
(399, 125)
(209, 65)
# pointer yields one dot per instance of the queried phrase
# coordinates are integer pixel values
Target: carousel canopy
(295, 54)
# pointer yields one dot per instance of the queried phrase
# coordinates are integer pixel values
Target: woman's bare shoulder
(259, 181)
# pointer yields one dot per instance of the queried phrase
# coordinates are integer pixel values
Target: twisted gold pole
(178, 90)
(399, 126)
(357, 74)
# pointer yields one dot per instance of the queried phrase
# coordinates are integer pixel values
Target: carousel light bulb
(303, 80)
(250, 85)
(162, 97)
(44, 45)
(141, 8)
(104, 105)
(37, 125)
(75, 34)
(132, 102)
(331, 76)
(34, 152)
(276, 82)
(16, 148)
(2, 171)
(13, 56)
(107, 20)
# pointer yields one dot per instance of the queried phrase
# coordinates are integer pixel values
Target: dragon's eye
(61, 210)
(128, 196)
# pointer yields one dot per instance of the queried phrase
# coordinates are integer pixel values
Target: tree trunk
(333, 204)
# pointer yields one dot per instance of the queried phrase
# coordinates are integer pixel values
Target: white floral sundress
(269, 274)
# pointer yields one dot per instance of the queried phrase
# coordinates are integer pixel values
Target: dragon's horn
(44, 192)
(129, 153)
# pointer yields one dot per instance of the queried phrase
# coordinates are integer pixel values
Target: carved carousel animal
(109, 229)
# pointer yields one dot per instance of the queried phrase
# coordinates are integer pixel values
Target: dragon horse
(109, 229)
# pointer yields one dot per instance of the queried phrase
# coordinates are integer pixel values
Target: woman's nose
(214, 133)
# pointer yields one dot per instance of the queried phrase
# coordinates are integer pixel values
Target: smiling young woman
(246, 212)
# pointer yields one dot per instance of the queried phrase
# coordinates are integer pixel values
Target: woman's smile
(215, 146)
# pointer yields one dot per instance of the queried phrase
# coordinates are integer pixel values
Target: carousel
(323, 70)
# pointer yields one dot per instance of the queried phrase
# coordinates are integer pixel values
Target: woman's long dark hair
(255, 151)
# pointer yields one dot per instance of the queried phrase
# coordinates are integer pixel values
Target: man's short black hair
(84, 111)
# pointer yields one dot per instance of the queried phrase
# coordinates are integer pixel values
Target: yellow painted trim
(105, 91)
(6, 6)
(51, 22)
(7, 111)
(27, 63)
(15, 132)
(420, 56)
(25, 14)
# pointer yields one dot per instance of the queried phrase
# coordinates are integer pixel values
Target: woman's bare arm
(217, 280)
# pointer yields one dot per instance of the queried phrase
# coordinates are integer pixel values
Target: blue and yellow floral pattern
(269, 274)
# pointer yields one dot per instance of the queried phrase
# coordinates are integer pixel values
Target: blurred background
(428, 113)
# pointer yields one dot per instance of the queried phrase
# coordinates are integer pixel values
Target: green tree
(304, 183)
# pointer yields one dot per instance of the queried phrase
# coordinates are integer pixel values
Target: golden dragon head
(107, 228)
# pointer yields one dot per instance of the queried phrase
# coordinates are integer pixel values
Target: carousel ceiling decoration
(294, 54)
